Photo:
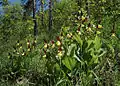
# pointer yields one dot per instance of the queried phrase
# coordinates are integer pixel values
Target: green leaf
(84, 47)
(69, 62)
(94, 60)
(78, 39)
(60, 81)
(112, 49)
(57, 66)
(97, 43)
(89, 43)
(71, 50)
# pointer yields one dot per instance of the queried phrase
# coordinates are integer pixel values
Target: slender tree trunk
(114, 25)
(5, 2)
(42, 11)
(34, 18)
(54, 1)
(98, 15)
(50, 14)
(79, 3)
(88, 9)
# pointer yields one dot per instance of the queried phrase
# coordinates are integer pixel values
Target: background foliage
(76, 43)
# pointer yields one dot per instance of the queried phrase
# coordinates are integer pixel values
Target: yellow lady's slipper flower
(53, 45)
(59, 54)
(58, 43)
(82, 25)
(35, 41)
(75, 15)
(100, 26)
(46, 45)
(76, 21)
(61, 37)
(44, 56)
(83, 18)
(89, 29)
(113, 34)
(28, 49)
(68, 35)
(79, 33)
(98, 32)
(94, 26)
(18, 53)
(18, 44)
(79, 17)
(23, 54)
(28, 43)
(20, 47)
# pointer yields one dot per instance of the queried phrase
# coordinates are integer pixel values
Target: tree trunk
(50, 14)
(114, 25)
(42, 15)
(88, 9)
(4, 2)
(34, 18)
(79, 3)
